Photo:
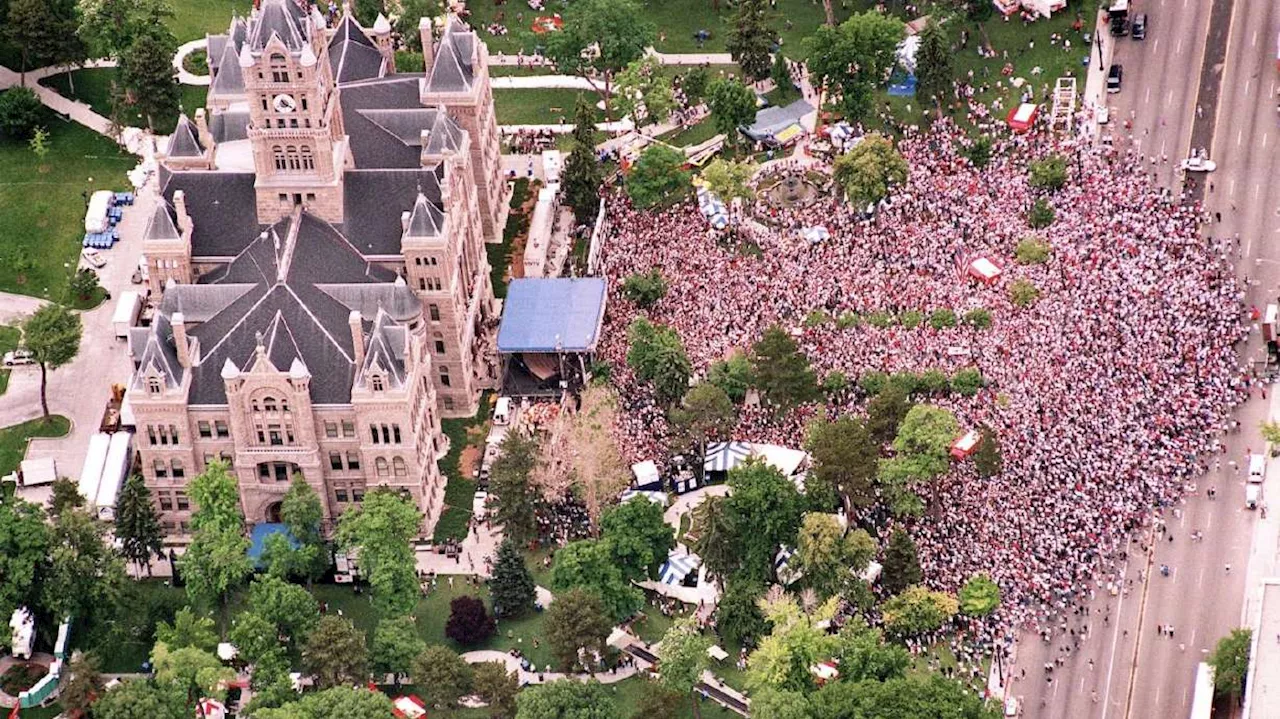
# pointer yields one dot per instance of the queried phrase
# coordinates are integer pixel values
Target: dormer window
(279, 69)
(154, 385)
(377, 383)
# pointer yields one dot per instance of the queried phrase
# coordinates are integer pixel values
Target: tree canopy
(600, 37)
(845, 460)
(869, 170)
(383, 528)
(511, 589)
(589, 564)
(566, 699)
(732, 105)
(509, 482)
(764, 511)
(657, 175)
(750, 39)
(657, 355)
(576, 621)
(854, 58)
(52, 335)
(637, 537)
(1230, 662)
(781, 371)
(336, 653)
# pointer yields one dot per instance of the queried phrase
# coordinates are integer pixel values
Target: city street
(1182, 92)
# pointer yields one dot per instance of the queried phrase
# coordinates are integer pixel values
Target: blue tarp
(902, 84)
(552, 315)
(258, 539)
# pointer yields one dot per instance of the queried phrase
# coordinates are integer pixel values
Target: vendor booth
(1022, 117)
(984, 270)
(965, 446)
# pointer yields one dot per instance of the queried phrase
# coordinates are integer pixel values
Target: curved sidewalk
(185, 49)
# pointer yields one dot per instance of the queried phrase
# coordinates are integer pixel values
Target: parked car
(17, 358)
(1138, 31)
(1115, 76)
(93, 258)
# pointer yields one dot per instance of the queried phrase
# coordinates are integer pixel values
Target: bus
(1202, 702)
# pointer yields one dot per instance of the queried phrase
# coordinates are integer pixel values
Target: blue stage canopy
(258, 539)
(552, 315)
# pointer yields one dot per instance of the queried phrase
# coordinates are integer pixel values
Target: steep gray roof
(282, 18)
(352, 56)
(395, 298)
(222, 206)
(160, 355)
(452, 70)
(374, 200)
(426, 221)
(214, 46)
(184, 142)
(229, 126)
(161, 225)
(230, 78)
(385, 352)
(366, 104)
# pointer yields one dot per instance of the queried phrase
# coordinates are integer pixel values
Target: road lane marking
(1239, 136)
(1232, 191)
(1265, 135)
(1257, 190)
(1148, 97)
(1200, 580)
(1255, 39)
(1246, 87)
(1155, 47)
(1179, 46)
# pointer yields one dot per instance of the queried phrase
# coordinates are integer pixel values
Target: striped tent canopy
(724, 456)
(677, 567)
(786, 573)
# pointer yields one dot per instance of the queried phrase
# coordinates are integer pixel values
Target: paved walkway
(531, 677)
(77, 111)
(529, 82)
(712, 58)
(185, 49)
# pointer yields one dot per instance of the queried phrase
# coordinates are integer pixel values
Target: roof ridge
(318, 323)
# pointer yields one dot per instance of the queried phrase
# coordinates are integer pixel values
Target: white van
(1257, 468)
(1252, 495)
(502, 411)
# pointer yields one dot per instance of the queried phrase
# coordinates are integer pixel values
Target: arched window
(269, 404)
(308, 160)
(381, 464)
(398, 466)
(277, 154)
(291, 156)
(279, 68)
(376, 383)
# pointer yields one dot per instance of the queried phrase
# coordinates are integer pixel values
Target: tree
(682, 655)
(643, 92)
(935, 71)
(885, 413)
(598, 40)
(764, 510)
(657, 355)
(407, 21)
(469, 622)
(1270, 431)
(367, 11)
(979, 596)
(511, 589)
(576, 621)
(637, 537)
(798, 641)
(868, 170)
(395, 645)
(863, 654)
(823, 553)
(712, 535)
(254, 638)
(509, 483)
(1032, 250)
(109, 27)
(922, 449)
(1048, 173)
(302, 513)
(84, 575)
(901, 563)
(141, 699)
(52, 335)
(1041, 214)
(645, 289)
(782, 372)
(83, 683)
(852, 59)
(443, 673)
(199, 672)
(694, 83)
(66, 496)
(751, 39)
(706, 414)
(335, 703)
(147, 72)
(899, 698)
(1230, 662)
(272, 687)
(738, 616)
(733, 375)
(496, 687)
(729, 180)
(582, 175)
(589, 564)
(39, 145)
(216, 561)
(567, 699)
(657, 175)
(44, 32)
(656, 702)
(917, 611)
(189, 629)
(383, 528)
(335, 652)
(137, 526)
(844, 461)
(777, 703)
(732, 105)
(289, 607)
(20, 110)
(24, 543)
(1023, 292)
(987, 459)
(780, 73)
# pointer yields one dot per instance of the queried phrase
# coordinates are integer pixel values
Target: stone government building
(318, 267)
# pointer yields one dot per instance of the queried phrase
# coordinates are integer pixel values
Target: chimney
(179, 324)
(428, 43)
(357, 337)
(202, 129)
(180, 205)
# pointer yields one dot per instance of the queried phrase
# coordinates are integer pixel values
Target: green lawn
(13, 440)
(499, 255)
(459, 490)
(536, 107)
(193, 19)
(9, 339)
(691, 135)
(42, 208)
(518, 71)
(626, 694)
(93, 87)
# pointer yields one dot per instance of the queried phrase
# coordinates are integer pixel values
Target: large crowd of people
(1107, 394)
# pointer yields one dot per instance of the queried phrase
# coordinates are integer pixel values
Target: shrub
(1023, 293)
(978, 318)
(1049, 173)
(1032, 250)
(19, 113)
(1041, 214)
(645, 289)
(469, 623)
(967, 381)
(880, 319)
(21, 677)
(873, 382)
(911, 319)
(934, 382)
(979, 151)
(835, 382)
(816, 318)
(847, 320)
(908, 382)
(941, 319)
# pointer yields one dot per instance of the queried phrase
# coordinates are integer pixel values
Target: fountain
(789, 191)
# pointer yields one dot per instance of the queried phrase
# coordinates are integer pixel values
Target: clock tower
(295, 128)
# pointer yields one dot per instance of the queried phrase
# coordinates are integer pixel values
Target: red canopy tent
(1022, 117)
(409, 707)
(964, 447)
(982, 268)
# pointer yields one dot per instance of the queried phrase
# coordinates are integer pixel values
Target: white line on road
(1169, 99)
(1179, 46)
(1162, 144)
(1193, 636)
(1239, 136)
(1157, 701)
(1265, 135)
(1246, 87)
(1255, 39)
(1232, 192)
(1148, 96)
(1257, 190)
(1248, 247)
(1111, 662)
(1155, 47)
(1200, 579)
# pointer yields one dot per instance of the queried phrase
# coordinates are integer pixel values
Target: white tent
(785, 460)
(38, 471)
(658, 498)
(23, 637)
(787, 574)
(678, 566)
(646, 473)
